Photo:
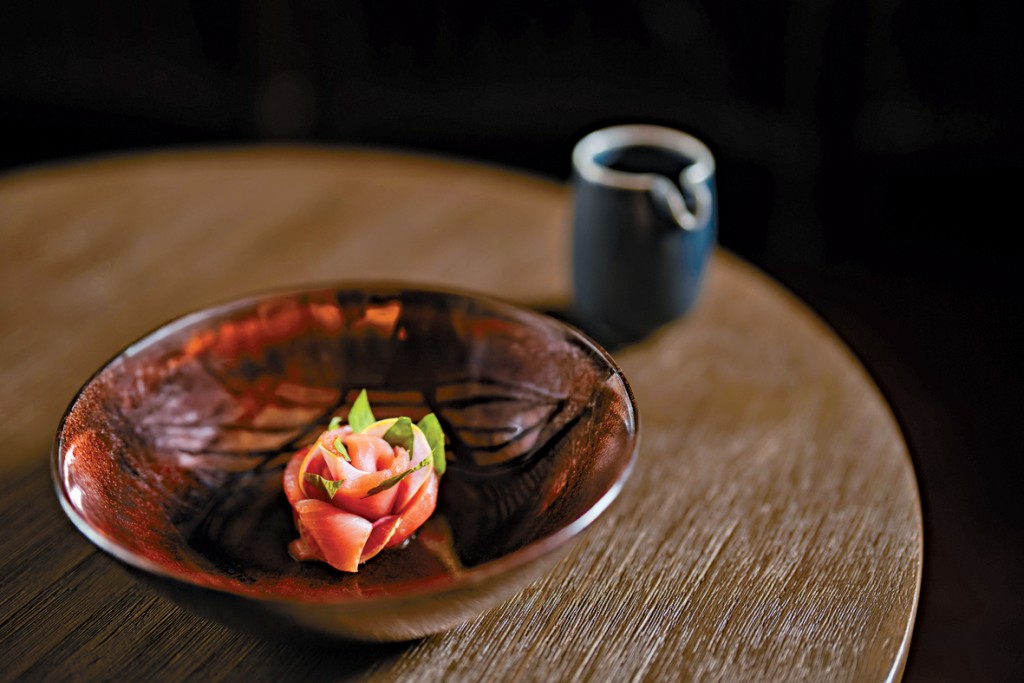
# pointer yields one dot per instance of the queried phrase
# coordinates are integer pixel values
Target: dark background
(871, 157)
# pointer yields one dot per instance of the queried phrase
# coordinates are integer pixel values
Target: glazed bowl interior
(171, 456)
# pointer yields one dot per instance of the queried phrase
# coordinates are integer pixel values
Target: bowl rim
(399, 591)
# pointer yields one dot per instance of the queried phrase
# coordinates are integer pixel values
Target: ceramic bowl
(170, 457)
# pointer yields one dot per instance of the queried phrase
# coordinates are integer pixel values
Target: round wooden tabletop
(771, 529)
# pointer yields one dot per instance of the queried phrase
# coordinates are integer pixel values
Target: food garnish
(363, 486)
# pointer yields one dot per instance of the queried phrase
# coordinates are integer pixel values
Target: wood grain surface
(771, 530)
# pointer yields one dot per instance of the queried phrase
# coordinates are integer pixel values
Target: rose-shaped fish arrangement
(363, 486)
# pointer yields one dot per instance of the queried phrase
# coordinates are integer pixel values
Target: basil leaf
(360, 416)
(328, 486)
(335, 423)
(400, 434)
(431, 428)
(342, 451)
(388, 483)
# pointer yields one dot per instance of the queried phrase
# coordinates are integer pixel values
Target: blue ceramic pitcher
(644, 227)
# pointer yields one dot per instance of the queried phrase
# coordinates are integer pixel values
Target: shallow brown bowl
(170, 457)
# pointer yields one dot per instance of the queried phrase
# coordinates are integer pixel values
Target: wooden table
(771, 530)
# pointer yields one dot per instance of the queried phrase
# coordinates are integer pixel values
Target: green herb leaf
(388, 483)
(342, 451)
(431, 428)
(335, 423)
(360, 416)
(328, 486)
(400, 434)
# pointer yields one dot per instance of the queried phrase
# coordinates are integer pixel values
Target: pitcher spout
(671, 167)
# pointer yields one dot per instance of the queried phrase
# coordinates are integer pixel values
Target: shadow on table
(609, 341)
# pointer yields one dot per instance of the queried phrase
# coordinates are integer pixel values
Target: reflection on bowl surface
(171, 456)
